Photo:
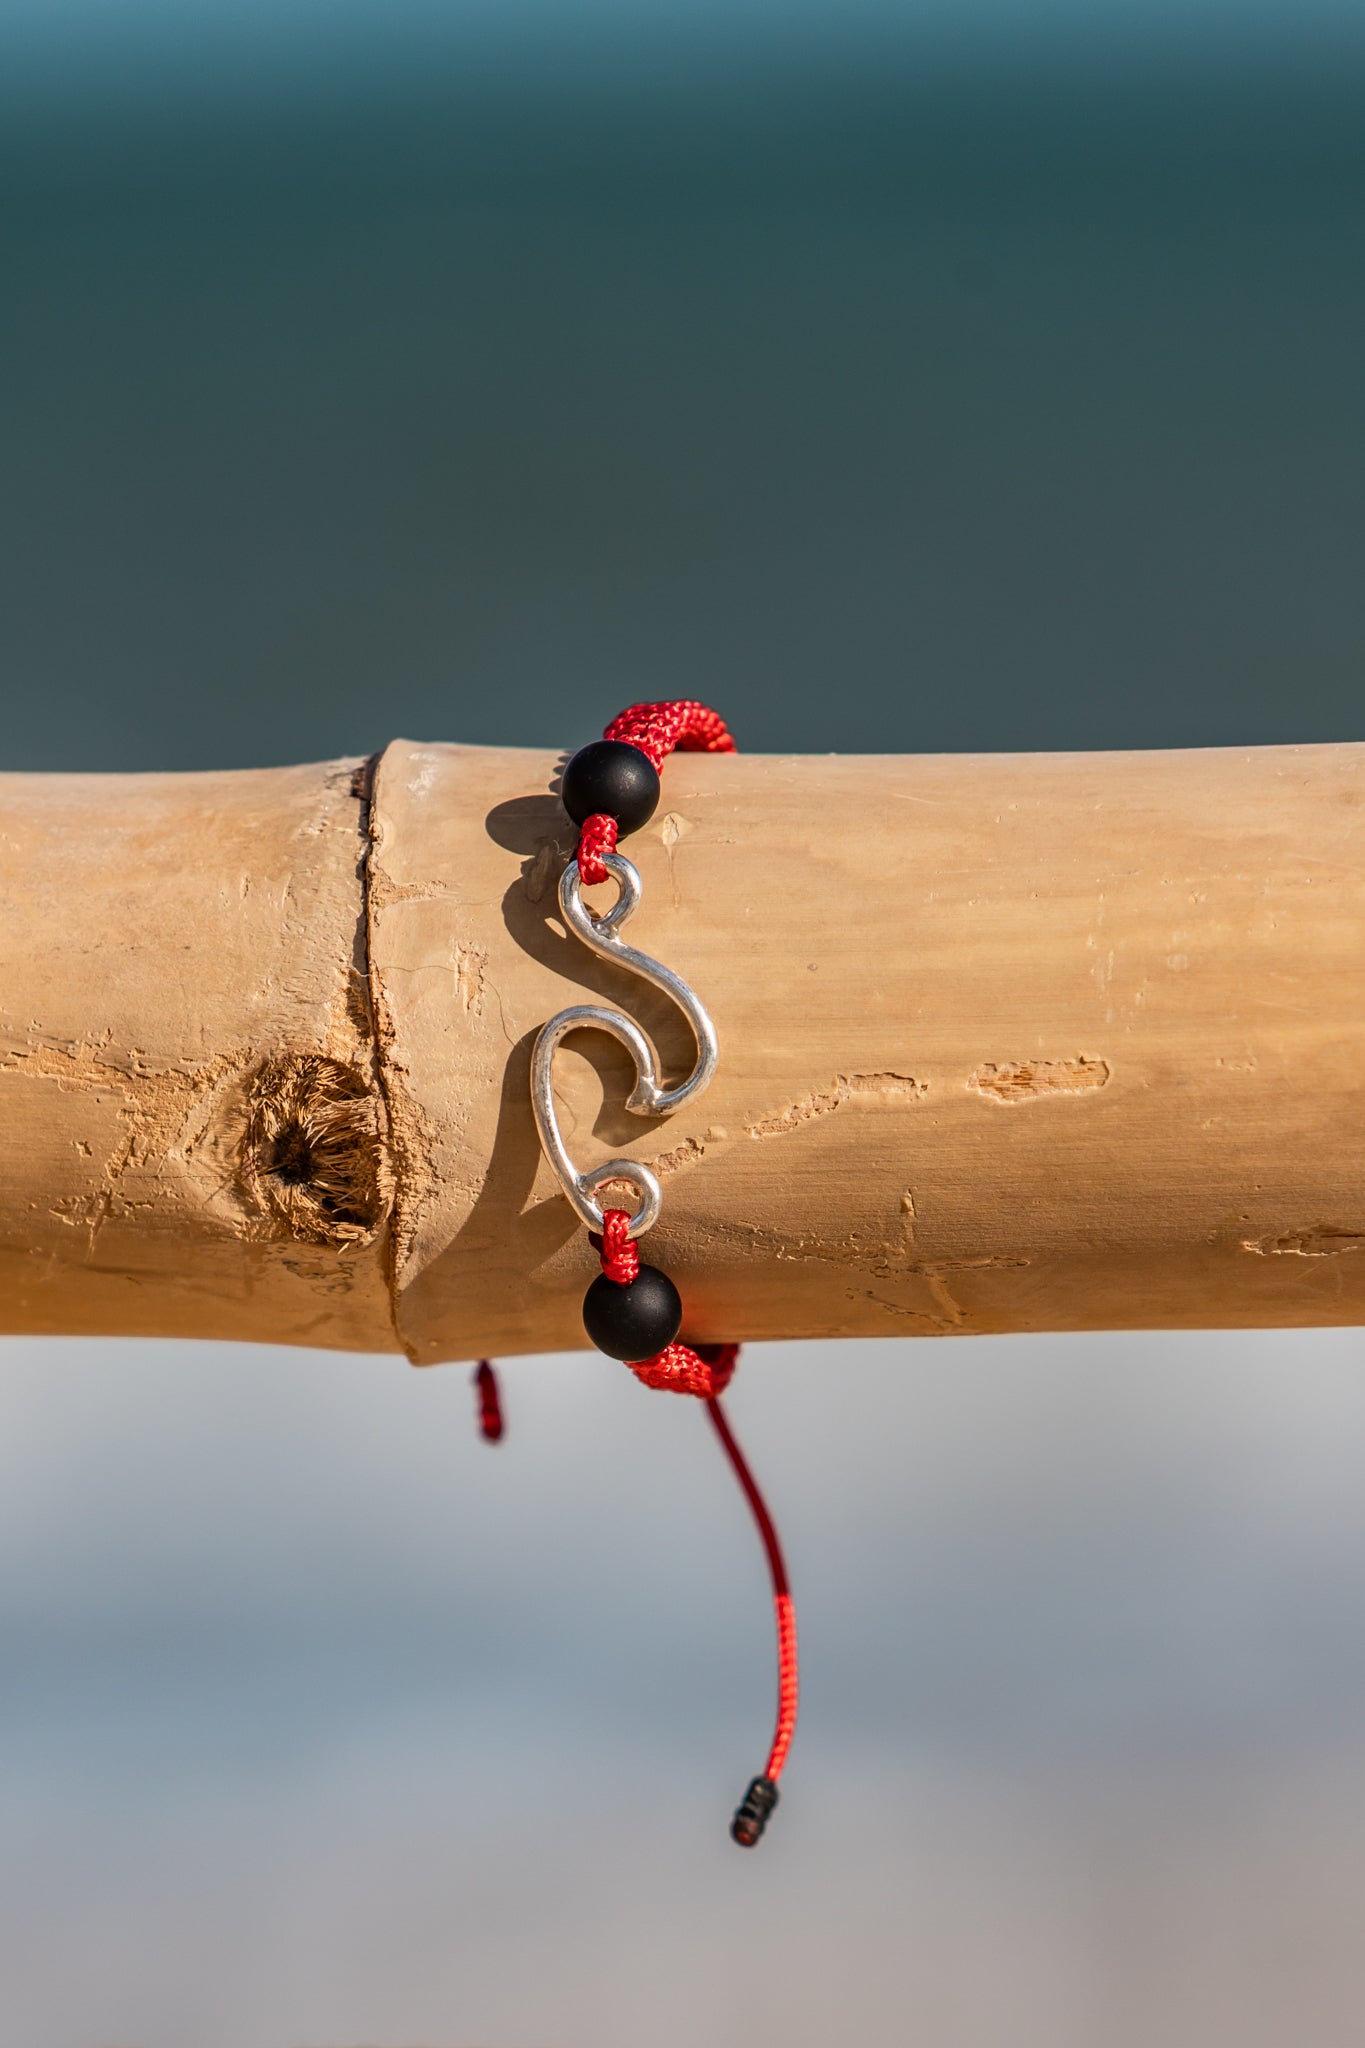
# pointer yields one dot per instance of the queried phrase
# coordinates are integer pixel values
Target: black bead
(753, 1813)
(613, 777)
(635, 1321)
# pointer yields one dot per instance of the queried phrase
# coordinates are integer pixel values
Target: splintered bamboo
(1007, 1043)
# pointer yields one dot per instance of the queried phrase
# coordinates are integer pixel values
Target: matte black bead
(613, 777)
(753, 1812)
(635, 1321)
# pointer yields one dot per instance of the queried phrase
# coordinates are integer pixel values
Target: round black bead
(614, 777)
(635, 1321)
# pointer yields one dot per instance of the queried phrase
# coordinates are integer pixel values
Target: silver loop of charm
(647, 1098)
(581, 1187)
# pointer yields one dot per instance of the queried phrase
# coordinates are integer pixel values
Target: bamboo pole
(1007, 1043)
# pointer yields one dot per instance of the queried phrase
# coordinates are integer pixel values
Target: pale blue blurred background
(325, 1723)
(983, 376)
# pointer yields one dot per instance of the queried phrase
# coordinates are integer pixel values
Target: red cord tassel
(490, 1402)
(761, 1797)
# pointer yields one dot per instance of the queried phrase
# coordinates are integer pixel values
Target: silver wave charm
(648, 1097)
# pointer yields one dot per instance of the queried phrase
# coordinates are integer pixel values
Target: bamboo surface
(1007, 1043)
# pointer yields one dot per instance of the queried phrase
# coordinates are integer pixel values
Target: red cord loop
(596, 836)
(618, 1250)
(682, 724)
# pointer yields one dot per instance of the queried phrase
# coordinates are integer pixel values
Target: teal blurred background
(981, 377)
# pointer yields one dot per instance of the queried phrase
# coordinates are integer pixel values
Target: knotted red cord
(596, 836)
(684, 724)
(490, 1404)
(678, 1369)
(706, 1370)
(657, 730)
(787, 1683)
(619, 1252)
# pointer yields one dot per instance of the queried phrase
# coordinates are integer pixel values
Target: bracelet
(632, 1311)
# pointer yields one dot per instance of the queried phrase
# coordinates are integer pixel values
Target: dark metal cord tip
(752, 1813)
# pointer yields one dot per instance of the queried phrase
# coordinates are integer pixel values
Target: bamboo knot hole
(313, 1151)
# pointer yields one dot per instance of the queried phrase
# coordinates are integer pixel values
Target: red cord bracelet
(632, 1311)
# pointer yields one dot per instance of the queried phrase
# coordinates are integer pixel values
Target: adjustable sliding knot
(705, 1370)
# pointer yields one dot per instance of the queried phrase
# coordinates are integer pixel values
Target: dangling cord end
(490, 1404)
(751, 1815)
(756, 1807)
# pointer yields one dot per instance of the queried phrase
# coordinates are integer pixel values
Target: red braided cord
(704, 1371)
(784, 1612)
(657, 730)
(490, 1403)
(619, 1252)
(788, 1684)
(679, 1369)
(596, 836)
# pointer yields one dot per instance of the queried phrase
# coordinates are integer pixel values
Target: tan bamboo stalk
(1007, 1043)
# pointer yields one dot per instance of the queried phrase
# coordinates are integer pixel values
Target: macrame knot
(704, 1372)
